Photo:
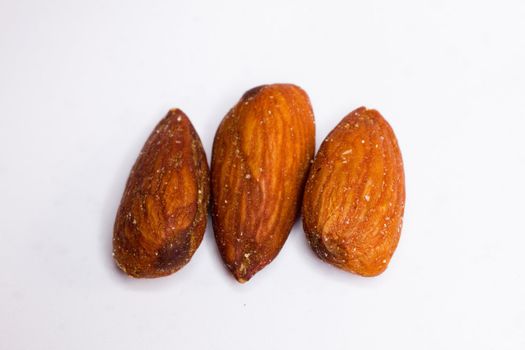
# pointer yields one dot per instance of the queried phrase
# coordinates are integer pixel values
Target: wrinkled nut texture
(355, 195)
(162, 216)
(261, 154)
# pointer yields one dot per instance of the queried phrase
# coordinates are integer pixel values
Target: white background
(83, 83)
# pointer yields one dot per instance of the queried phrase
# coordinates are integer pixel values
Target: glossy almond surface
(261, 155)
(355, 195)
(162, 216)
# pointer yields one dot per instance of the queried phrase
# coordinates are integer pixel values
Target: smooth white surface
(82, 83)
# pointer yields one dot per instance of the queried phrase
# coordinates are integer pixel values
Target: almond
(163, 213)
(261, 155)
(355, 195)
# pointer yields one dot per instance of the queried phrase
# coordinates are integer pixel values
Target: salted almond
(261, 155)
(162, 216)
(355, 195)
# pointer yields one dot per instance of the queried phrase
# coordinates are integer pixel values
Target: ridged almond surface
(163, 213)
(355, 195)
(261, 155)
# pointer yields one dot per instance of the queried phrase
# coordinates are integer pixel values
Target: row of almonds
(263, 173)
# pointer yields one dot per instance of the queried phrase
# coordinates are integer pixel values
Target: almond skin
(261, 155)
(355, 195)
(162, 216)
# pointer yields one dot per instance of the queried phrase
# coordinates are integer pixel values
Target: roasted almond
(163, 213)
(261, 155)
(355, 195)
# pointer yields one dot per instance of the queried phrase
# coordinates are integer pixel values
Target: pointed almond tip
(176, 115)
(177, 112)
(242, 277)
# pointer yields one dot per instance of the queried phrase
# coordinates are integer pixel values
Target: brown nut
(355, 195)
(162, 216)
(261, 155)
